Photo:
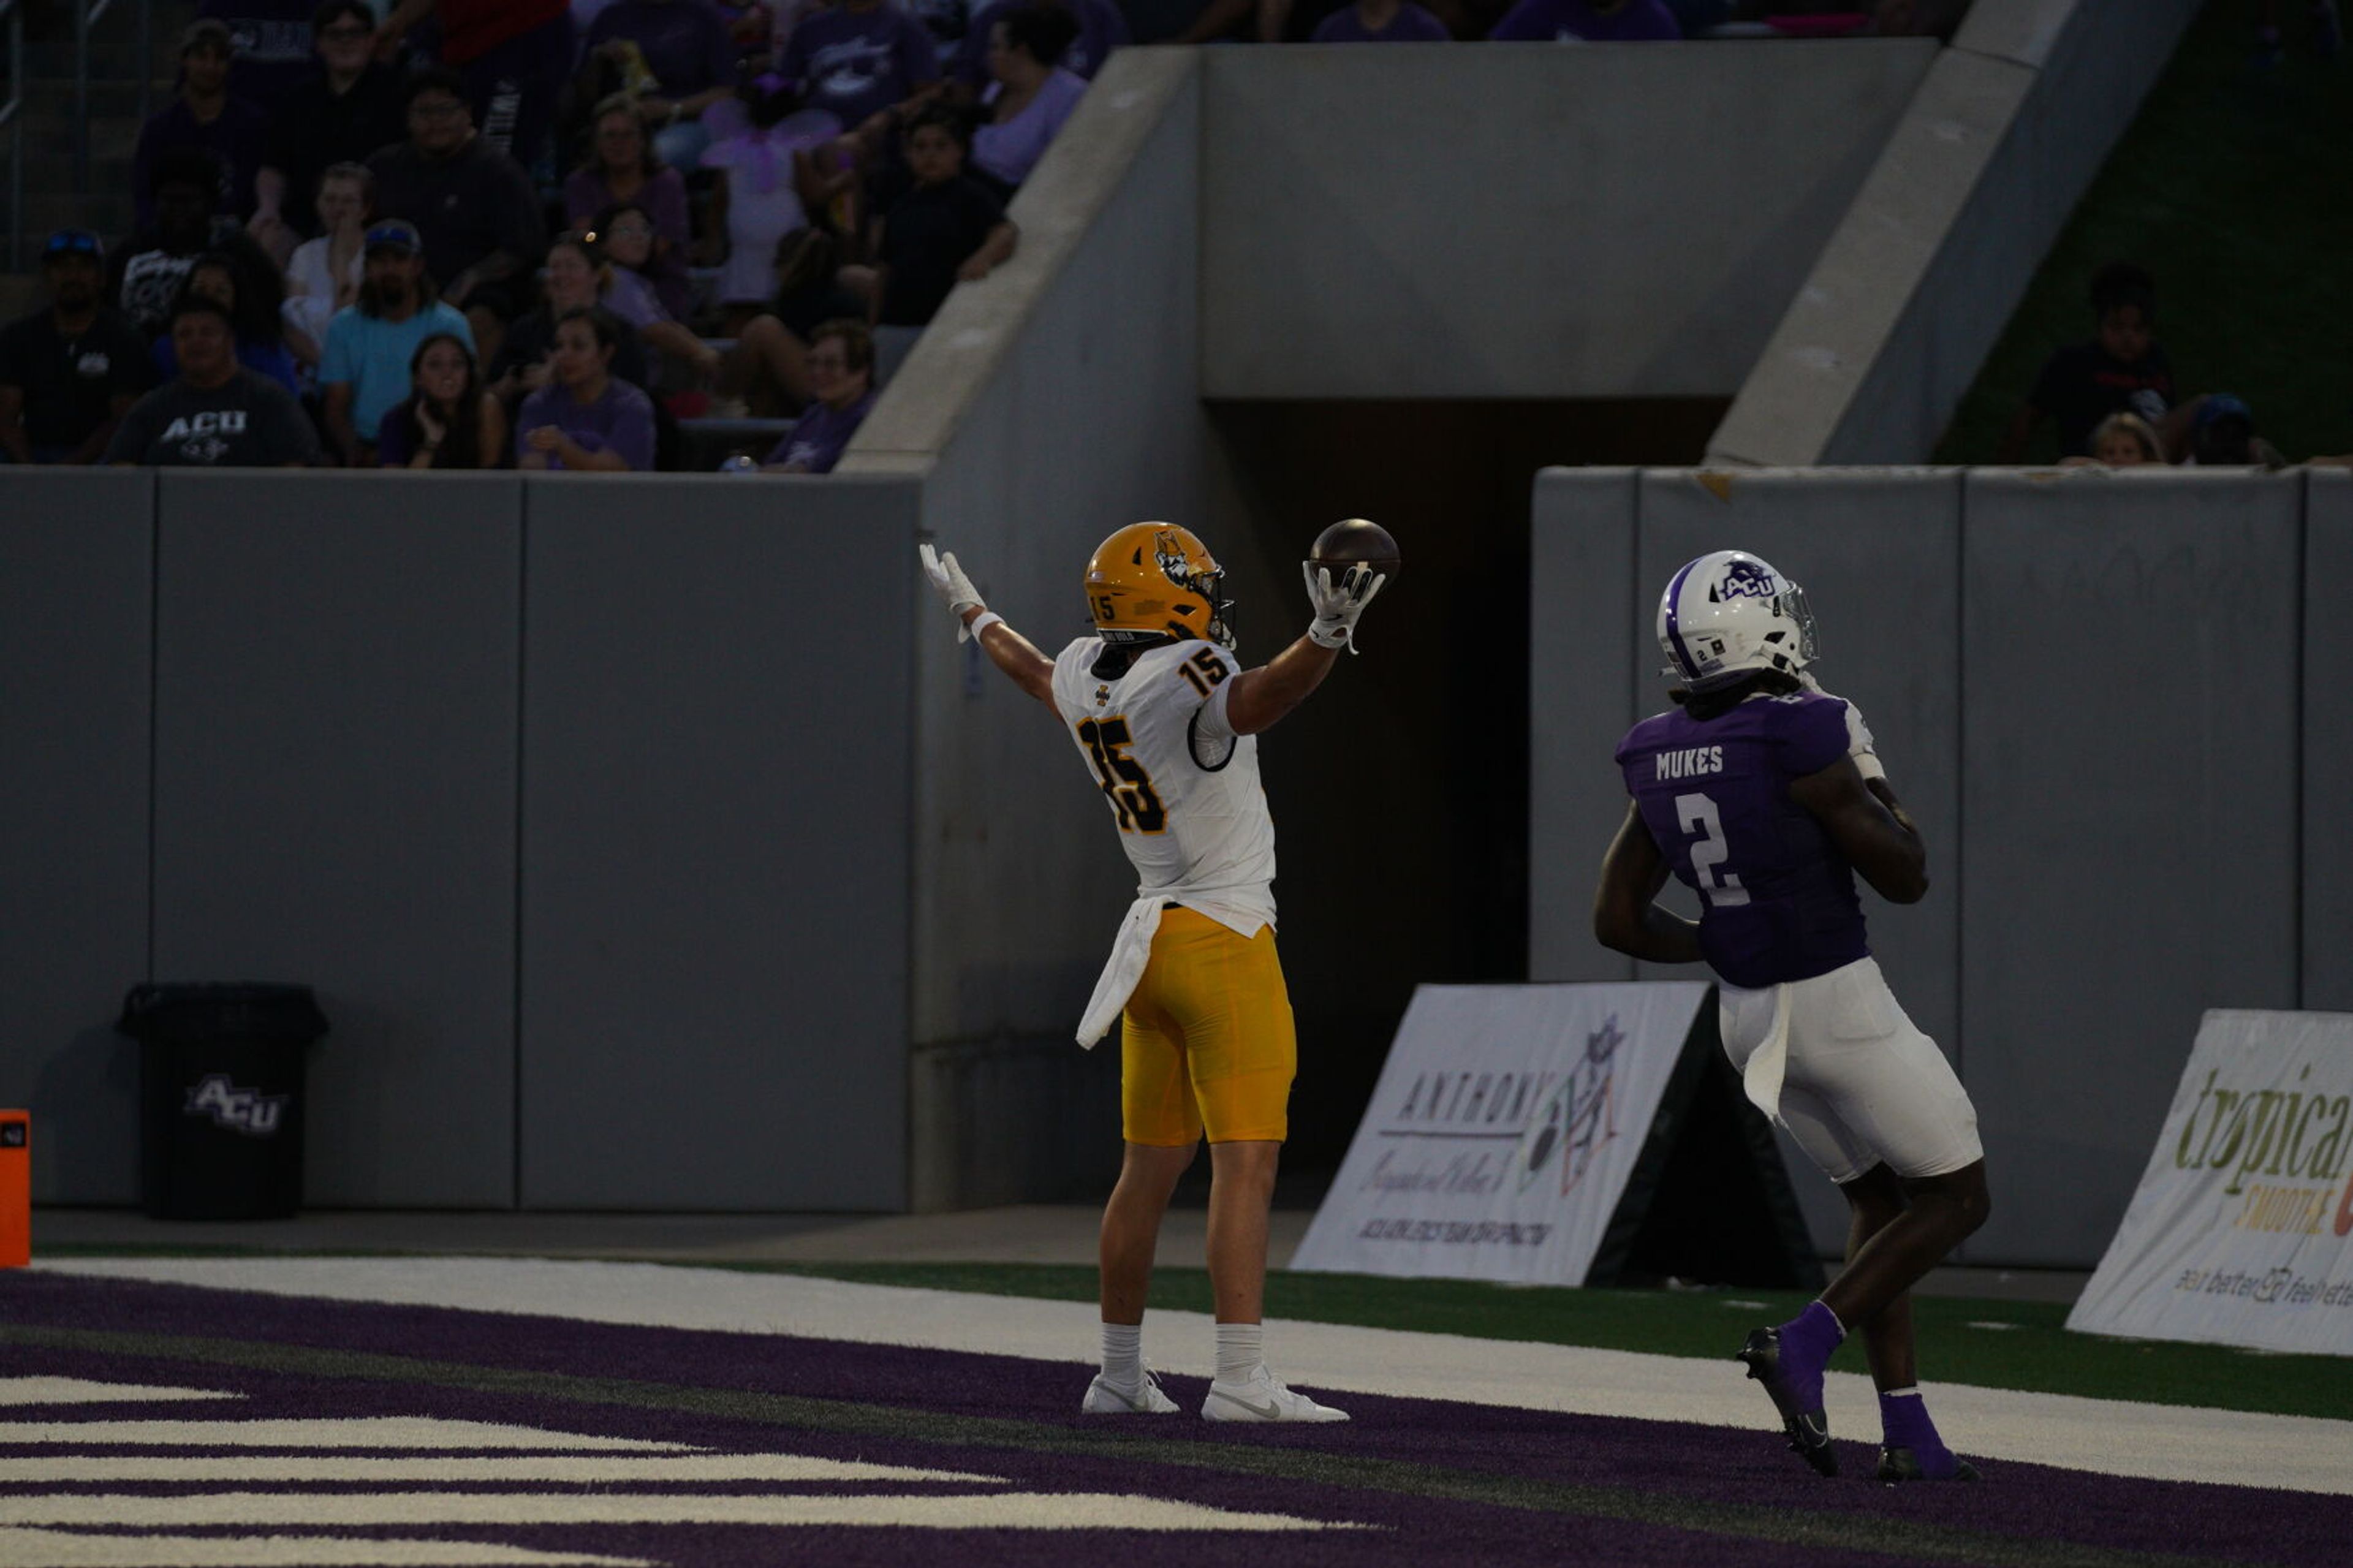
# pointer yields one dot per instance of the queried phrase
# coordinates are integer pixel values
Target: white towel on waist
(1130, 952)
(1760, 1078)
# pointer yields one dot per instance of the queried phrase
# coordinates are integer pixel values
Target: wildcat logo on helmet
(1747, 580)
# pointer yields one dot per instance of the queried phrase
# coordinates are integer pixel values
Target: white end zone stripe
(357, 1432)
(263, 1469)
(82, 1391)
(56, 1549)
(424, 1511)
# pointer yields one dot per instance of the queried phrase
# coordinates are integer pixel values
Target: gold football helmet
(1156, 580)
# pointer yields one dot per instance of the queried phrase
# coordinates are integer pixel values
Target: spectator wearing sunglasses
(370, 345)
(70, 371)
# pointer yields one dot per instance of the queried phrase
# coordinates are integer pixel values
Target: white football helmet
(1728, 615)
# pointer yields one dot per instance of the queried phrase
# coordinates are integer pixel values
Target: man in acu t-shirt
(69, 373)
(1764, 795)
(217, 414)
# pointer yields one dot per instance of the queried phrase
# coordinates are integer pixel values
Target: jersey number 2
(1696, 814)
(1124, 782)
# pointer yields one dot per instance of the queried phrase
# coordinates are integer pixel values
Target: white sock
(1241, 1348)
(1123, 1353)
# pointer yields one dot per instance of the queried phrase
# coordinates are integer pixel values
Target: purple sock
(1904, 1423)
(1807, 1341)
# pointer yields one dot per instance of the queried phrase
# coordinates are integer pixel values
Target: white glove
(948, 581)
(1338, 604)
(1859, 743)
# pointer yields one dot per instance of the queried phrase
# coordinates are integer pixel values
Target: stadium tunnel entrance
(1400, 792)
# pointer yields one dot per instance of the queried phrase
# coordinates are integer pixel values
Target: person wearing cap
(69, 373)
(216, 414)
(472, 204)
(365, 369)
(206, 114)
(2222, 436)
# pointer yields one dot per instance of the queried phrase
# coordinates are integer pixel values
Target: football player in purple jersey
(1761, 793)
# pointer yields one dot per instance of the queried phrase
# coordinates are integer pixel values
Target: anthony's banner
(2240, 1232)
(1507, 1124)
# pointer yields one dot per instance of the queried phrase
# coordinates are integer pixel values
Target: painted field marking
(82, 1391)
(355, 1432)
(509, 1469)
(2108, 1436)
(59, 1549)
(331, 1511)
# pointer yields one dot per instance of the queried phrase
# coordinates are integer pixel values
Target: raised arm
(1008, 649)
(1627, 915)
(1262, 696)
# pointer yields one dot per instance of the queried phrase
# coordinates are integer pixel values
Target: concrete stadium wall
(550, 787)
(77, 640)
(1524, 221)
(1042, 410)
(2096, 692)
(2009, 127)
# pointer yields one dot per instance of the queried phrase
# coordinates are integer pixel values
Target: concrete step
(52, 97)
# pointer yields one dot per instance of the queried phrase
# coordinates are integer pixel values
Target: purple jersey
(1777, 899)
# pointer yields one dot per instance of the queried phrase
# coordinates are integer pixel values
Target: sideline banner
(2240, 1232)
(1503, 1135)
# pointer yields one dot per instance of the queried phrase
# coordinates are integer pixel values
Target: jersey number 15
(1124, 782)
(1697, 816)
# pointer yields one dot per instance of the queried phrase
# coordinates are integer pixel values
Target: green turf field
(2231, 187)
(2029, 1348)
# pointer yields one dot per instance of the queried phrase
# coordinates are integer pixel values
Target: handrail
(11, 114)
(86, 16)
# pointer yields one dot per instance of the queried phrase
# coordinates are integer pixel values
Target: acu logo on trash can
(245, 1111)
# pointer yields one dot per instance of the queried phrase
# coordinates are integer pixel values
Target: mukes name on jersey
(1690, 764)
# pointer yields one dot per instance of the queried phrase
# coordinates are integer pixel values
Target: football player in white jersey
(1166, 718)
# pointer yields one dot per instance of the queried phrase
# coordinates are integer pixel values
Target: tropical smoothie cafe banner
(1561, 1135)
(2242, 1230)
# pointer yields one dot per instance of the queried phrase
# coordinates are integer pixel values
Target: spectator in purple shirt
(840, 368)
(858, 59)
(621, 168)
(584, 419)
(1101, 28)
(689, 53)
(1031, 95)
(1588, 21)
(1381, 22)
(206, 114)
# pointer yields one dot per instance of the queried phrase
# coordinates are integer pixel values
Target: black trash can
(220, 1096)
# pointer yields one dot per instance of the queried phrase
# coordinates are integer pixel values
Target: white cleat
(1106, 1398)
(1261, 1396)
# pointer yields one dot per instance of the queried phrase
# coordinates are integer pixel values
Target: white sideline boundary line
(2118, 1438)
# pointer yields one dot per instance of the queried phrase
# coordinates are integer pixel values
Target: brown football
(1354, 539)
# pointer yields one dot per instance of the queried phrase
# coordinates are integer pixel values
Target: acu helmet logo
(1747, 580)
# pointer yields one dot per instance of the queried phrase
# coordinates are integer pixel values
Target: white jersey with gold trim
(1183, 787)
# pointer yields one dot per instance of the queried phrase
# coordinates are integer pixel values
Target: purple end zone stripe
(1675, 619)
(1682, 1465)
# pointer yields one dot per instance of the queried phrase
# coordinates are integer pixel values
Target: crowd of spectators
(2112, 400)
(553, 233)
